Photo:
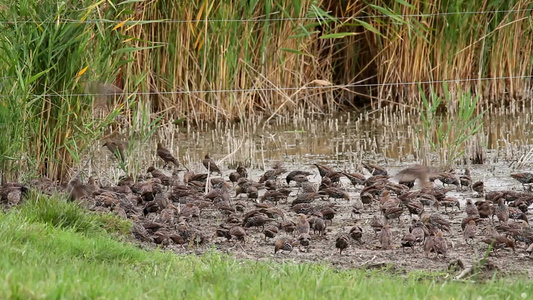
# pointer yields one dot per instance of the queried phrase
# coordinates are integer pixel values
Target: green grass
(47, 255)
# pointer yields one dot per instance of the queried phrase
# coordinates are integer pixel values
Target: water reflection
(345, 138)
(389, 138)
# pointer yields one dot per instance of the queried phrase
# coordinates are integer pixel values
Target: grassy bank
(79, 255)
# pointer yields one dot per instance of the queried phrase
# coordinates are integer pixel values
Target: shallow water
(387, 137)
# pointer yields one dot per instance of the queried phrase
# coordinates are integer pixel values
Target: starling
(478, 187)
(242, 171)
(419, 231)
(471, 209)
(356, 233)
(328, 213)
(325, 183)
(517, 214)
(409, 175)
(465, 179)
(502, 212)
(304, 239)
(239, 233)
(273, 196)
(277, 169)
(166, 156)
(414, 207)
(335, 193)
(305, 198)
(324, 170)
(469, 233)
(252, 193)
(499, 242)
(524, 178)
(292, 175)
(409, 240)
(270, 184)
(210, 165)
(448, 178)
(257, 220)
(436, 243)
(385, 237)
(393, 213)
(288, 226)
(342, 243)
(140, 233)
(440, 244)
(284, 244)
(357, 207)
(165, 180)
(377, 179)
(234, 177)
(318, 225)
(375, 170)
(116, 148)
(485, 209)
(271, 231)
(335, 177)
(436, 221)
(223, 233)
(302, 225)
(450, 202)
(355, 178)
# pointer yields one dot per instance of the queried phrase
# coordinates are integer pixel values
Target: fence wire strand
(317, 18)
(272, 89)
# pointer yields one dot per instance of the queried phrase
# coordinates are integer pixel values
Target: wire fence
(140, 22)
(272, 89)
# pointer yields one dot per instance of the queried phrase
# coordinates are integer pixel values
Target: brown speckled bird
(409, 240)
(479, 187)
(385, 237)
(305, 240)
(469, 233)
(502, 212)
(293, 175)
(419, 231)
(436, 243)
(524, 178)
(355, 178)
(356, 233)
(117, 148)
(302, 225)
(375, 169)
(241, 172)
(471, 209)
(239, 233)
(450, 202)
(499, 242)
(318, 225)
(342, 243)
(271, 231)
(409, 175)
(210, 165)
(284, 244)
(166, 156)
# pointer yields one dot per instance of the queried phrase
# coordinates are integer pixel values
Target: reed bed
(73, 72)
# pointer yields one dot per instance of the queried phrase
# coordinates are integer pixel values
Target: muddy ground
(369, 254)
(358, 255)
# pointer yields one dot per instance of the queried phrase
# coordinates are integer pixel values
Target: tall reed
(49, 65)
(199, 60)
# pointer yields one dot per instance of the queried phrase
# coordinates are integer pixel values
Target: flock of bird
(286, 210)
